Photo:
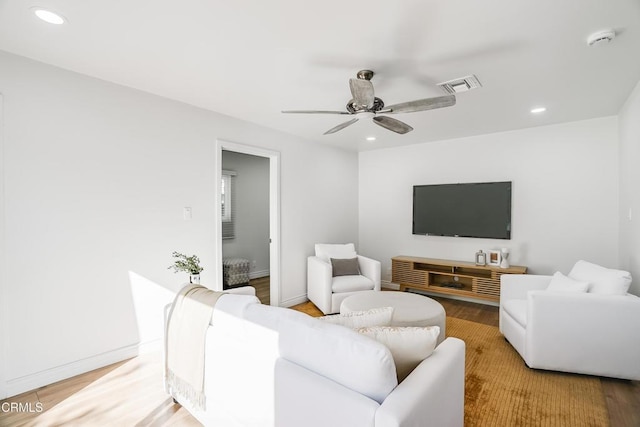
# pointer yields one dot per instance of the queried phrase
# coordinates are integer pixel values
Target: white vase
(194, 279)
(504, 263)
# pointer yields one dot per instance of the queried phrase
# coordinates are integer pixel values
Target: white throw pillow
(361, 319)
(561, 283)
(409, 345)
(602, 280)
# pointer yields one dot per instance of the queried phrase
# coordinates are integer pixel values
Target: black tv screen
(463, 210)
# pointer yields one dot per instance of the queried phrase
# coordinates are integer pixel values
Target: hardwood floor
(130, 393)
(263, 289)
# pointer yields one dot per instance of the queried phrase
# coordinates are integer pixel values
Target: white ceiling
(253, 58)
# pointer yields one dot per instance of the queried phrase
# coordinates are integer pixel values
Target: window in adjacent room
(228, 205)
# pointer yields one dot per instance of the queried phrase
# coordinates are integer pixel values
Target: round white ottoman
(408, 309)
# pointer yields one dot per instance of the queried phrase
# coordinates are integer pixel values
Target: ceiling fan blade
(313, 112)
(392, 124)
(421, 105)
(362, 92)
(341, 126)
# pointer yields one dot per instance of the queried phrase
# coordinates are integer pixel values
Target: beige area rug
(502, 391)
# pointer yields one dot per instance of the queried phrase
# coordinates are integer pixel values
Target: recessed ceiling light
(538, 110)
(371, 138)
(49, 16)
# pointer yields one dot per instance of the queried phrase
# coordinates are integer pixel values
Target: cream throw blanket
(185, 344)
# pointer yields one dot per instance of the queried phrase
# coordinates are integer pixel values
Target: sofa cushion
(409, 345)
(361, 319)
(340, 354)
(351, 284)
(516, 308)
(271, 317)
(602, 280)
(561, 283)
(232, 304)
(338, 251)
(345, 267)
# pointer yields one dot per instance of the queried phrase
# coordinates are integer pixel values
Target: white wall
(95, 179)
(629, 122)
(4, 318)
(564, 197)
(251, 239)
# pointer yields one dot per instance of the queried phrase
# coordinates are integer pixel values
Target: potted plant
(188, 264)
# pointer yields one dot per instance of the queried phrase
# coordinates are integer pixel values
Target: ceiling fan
(365, 104)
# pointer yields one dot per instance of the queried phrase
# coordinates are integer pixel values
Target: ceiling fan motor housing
(365, 74)
(352, 107)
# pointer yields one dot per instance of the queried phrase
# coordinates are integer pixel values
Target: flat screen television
(480, 210)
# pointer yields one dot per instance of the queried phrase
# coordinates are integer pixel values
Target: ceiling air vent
(462, 84)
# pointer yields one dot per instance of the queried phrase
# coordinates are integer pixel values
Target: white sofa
(326, 291)
(571, 331)
(270, 366)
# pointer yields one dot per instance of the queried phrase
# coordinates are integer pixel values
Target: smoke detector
(601, 37)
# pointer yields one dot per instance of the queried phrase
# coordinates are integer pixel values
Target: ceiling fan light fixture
(49, 16)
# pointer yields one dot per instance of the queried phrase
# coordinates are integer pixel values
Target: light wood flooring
(130, 393)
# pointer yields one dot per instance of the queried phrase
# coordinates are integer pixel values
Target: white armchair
(569, 329)
(327, 288)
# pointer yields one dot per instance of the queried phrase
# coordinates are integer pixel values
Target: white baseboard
(151, 346)
(258, 274)
(389, 285)
(294, 301)
(33, 381)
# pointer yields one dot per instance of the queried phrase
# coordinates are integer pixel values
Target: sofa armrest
(319, 282)
(371, 269)
(584, 333)
(242, 290)
(432, 395)
(516, 286)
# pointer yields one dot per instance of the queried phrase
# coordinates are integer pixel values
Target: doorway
(258, 234)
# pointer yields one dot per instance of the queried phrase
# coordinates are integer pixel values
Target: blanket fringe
(181, 388)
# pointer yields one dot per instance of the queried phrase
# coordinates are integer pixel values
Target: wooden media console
(450, 277)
